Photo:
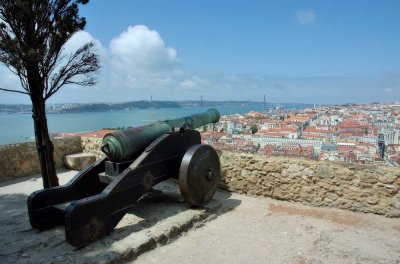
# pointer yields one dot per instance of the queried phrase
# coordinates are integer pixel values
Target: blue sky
(292, 51)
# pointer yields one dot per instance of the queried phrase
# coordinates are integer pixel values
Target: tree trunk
(44, 145)
(36, 81)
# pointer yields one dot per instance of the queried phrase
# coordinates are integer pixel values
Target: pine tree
(32, 36)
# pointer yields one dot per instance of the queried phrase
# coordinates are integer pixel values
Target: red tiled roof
(274, 134)
(97, 134)
(314, 136)
(315, 130)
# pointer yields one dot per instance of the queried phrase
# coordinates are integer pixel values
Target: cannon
(92, 203)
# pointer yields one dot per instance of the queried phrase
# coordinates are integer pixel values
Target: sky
(323, 52)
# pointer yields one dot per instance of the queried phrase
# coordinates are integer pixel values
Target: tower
(381, 145)
(265, 104)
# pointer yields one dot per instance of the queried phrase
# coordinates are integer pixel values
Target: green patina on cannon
(92, 203)
(123, 145)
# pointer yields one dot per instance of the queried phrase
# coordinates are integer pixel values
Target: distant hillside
(240, 103)
(104, 107)
(101, 107)
(15, 108)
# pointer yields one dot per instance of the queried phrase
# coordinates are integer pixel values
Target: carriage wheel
(199, 174)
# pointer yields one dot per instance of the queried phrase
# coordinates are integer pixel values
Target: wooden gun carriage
(92, 203)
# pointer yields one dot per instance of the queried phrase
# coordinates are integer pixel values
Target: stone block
(78, 161)
(309, 172)
(325, 171)
(294, 168)
(387, 178)
(372, 200)
(345, 174)
(324, 185)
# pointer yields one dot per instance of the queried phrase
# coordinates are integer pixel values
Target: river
(16, 128)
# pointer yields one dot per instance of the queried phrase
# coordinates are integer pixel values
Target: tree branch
(83, 63)
(14, 91)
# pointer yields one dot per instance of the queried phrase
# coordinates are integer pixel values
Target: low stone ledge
(355, 187)
(78, 161)
(20, 160)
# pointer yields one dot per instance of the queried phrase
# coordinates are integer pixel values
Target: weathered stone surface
(294, 168)
(324, 185)
(309, 172)
(93, 146)
(325, 171)
(397, 181)
(19, 160)
(152, 222)
(372, 200)
(362, 188)
(345, 174)
(335, 184)
(79, 161)
(388, 178)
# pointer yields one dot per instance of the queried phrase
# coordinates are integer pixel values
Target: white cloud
(187, 85)
(138, 64)
(139, 50)
(305, 16)
(79, 39)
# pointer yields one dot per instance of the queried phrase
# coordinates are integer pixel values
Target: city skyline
(302, 52)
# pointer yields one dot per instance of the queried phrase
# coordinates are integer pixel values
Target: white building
(391, 136)
(316, 144)
(367, 139)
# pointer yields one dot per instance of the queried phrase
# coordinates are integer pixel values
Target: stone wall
(92, 146)
(18, 160)
(361, 188)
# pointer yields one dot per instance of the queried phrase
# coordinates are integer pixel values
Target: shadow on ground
(160, 218)
(164, 223)
(156, 207)
(14, 225)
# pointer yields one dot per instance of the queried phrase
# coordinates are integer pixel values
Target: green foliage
(254, 129)
(32, 35)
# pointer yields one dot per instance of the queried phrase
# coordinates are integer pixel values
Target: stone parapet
(360, 188)
(19, 160)
(92, 145)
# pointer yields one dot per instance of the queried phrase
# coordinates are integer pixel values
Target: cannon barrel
(123, 145)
